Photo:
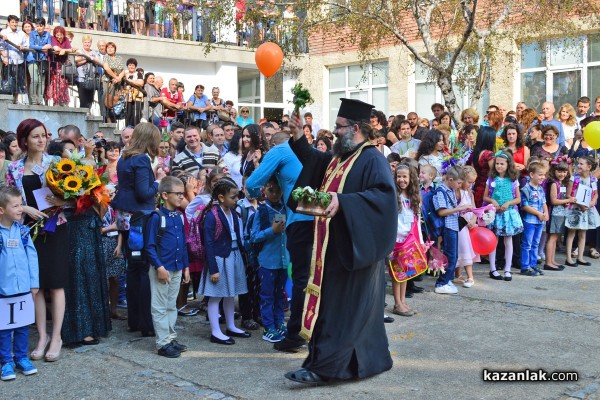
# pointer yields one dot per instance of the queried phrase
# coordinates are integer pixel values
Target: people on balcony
(114, 71)
(13, 62)
(37, 61)
(58, 88)
(87, 72)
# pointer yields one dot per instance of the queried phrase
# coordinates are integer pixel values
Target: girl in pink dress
(466, 254)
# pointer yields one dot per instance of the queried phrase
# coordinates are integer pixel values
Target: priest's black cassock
(349, 338)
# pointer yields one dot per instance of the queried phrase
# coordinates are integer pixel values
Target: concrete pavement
(550, 322)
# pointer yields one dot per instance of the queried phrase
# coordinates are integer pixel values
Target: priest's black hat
(355, 110)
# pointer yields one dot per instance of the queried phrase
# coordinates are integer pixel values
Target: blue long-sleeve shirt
(281, 161)
(19, 270)
(171, 252)
(274, 254)
(37, 42)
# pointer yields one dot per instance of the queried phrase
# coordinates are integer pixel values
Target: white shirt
(20, 39)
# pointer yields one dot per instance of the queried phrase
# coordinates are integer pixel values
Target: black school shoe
(289, 345)
(169, 351)
(584, 263)
(178, 346)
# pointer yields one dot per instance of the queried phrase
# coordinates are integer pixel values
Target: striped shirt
(189, 162)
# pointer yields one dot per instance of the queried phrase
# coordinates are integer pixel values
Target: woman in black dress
(29, 174)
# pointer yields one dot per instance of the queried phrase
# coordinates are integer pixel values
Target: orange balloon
(269, 58)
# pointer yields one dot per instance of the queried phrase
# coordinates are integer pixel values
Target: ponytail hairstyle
(412, 190)
(590, 161)
(222, 187)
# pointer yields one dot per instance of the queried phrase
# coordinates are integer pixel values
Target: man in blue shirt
(548, 113)
(166, 252)
(283, 163)
(37, 61)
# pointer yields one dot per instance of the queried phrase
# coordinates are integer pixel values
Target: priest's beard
(344, 144)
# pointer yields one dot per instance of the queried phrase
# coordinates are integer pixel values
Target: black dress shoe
(496, 277)
(584, 263)
(289, 344)
(570, 264)
(415, 289)
(169, 351)
(92, 342)
(148, 334)
(409, 295)
(388, 320)
(216, 340)
(178, 346)
(305, 376)
(236, 334)
(549, 268)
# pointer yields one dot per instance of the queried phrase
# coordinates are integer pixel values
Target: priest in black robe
(349, 340)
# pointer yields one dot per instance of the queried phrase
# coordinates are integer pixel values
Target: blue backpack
(434, 224)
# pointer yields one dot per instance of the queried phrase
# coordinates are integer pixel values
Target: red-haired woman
(58, 89)
(29, 174)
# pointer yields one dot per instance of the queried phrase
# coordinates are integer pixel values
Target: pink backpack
(195, 239)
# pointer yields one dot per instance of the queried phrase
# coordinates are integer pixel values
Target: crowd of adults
(255, 21)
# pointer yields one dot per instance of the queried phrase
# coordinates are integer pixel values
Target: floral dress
(577, 218)
(507, 223)
(58, 88)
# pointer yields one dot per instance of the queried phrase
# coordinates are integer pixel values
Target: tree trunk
(444, 82)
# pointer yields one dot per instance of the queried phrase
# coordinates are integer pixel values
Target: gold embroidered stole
(334, 180)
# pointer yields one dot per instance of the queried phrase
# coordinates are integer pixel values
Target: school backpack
(23, 232)
(195, 239)
(162, 227)
(135, 240)
(434, 224)
(254, 249)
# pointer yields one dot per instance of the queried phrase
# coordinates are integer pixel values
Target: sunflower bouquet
(71, 179)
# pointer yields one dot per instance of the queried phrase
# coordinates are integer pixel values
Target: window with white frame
(367, 83)
(427, 92)
(263, 97)
(560, 71)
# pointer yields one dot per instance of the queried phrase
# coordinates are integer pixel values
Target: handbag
(7, 85)
(43, 67)
(89, 79)
(224, 116)
(69, 71)
(409, 257)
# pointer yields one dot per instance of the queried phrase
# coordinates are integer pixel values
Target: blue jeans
(450, 248)
(14, 341)
(272, 296)
(39, 8)
(530, 241)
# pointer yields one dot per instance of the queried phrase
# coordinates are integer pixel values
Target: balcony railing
(183, 19)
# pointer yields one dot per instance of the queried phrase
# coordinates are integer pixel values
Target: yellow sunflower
(94, 183)
(72, 184)
(86, 172)
(65, 166)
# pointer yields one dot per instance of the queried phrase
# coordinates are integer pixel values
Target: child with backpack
(19, 275)
(558, 179)
(406, 265)
(268, 231)
(447, 209)
(535, 215)
(250, 302)
(502, 191)
(582, 217)
(167, 255)
(224, 274)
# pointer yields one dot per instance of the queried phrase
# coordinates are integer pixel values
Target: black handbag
(69, 71)
(7, 85)
(43, 67)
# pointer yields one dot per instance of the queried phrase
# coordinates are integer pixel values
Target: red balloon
(483, 240)
(269, 58)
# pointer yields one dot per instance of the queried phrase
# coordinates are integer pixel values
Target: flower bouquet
(71, 179)
(302, 97)
(310, 201)
(458, 157)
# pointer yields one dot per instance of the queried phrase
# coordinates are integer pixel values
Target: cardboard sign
(17, 311)
(583, 196)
